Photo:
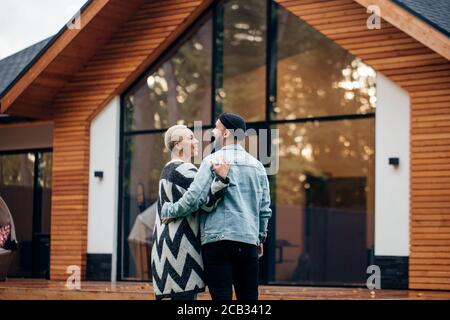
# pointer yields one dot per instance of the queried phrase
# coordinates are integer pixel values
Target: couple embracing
(211, 222)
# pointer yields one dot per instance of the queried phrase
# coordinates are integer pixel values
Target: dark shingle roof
(434, 12)
(12, 66)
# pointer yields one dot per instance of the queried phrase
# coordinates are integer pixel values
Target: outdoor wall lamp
(98, 174)
(394, 161)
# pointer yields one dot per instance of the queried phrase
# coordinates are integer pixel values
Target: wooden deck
(13, 289)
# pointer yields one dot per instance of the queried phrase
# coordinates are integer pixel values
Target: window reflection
(144, 158)
(244, 59)
(325, 201)
(177, 92)
(316, 77)
(17, 170)
(16, 189)
(30, 206)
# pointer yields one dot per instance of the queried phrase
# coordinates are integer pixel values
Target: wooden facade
(152, 25)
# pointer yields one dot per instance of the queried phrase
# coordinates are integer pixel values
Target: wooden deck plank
(13, 289)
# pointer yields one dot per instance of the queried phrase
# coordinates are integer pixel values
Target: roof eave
(48, 54)
(419, 30)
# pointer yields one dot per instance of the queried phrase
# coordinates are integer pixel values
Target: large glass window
(316, 77)
(324, 229)
(25, 186)
(179, 91)
(324, 201)
(144, 158)
(322, 101)
(241, 88)
(16, 186)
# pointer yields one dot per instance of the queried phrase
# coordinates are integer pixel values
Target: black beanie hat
(232, 121)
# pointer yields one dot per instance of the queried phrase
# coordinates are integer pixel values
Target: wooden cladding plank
(426, 285)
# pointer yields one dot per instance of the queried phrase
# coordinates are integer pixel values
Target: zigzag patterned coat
(176, 261)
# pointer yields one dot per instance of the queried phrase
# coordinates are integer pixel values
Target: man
(232, 235)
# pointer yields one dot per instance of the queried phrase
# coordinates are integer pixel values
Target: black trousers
(230, 263)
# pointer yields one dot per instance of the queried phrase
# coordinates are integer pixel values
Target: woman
(176, 262)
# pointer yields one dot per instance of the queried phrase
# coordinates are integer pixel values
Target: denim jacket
(244, 212)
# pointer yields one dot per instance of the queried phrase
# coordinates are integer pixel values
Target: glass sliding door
(324, 201)
(25, 186)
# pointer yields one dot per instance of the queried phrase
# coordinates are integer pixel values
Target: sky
(25, 22)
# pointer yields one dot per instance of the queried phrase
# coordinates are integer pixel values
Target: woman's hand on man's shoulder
(221, 167)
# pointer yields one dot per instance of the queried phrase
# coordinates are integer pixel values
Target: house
(363, 166)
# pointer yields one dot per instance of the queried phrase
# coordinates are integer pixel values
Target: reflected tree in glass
(316, 77)
(178, 92)
(244, 59)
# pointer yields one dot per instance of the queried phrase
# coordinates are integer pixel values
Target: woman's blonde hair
(173, 135)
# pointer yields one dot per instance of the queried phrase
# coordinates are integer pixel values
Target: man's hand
(260, 250)
(221, 168)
